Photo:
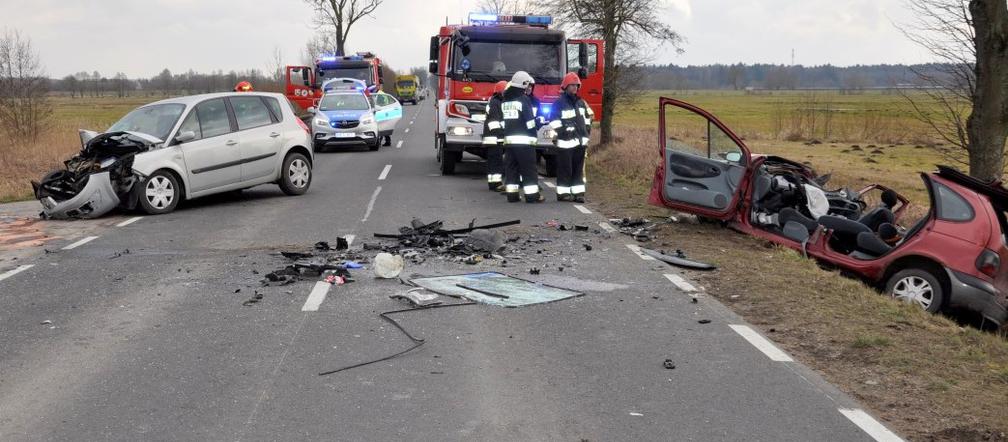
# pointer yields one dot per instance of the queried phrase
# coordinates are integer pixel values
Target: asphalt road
(155, 344)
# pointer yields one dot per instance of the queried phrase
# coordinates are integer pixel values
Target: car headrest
(887, 232)
(890, 198)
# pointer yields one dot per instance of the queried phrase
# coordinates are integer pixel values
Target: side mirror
(582, 73)
(185, 136)
(733, 157)
(311, 110)
(583, 54)
(435, 49)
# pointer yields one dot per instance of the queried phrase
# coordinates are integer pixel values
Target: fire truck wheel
(448, 161)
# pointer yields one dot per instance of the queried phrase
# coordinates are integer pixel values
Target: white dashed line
(411, 123)
(582, 209)
(15, 271)
(636, 249)
(316, 296)
(384, 172)
(681, 283)
(129, 221)
(80, 243)
(607, 227)
(761, 343)
(549, 184)
(349, 239)
(407, 130)
(399, 145)
(370, 206)
(869, 425)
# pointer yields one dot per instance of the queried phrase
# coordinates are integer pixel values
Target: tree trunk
(608, 94)
(988, 123)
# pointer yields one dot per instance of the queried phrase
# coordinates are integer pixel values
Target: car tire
(161, 193)
(448, 161)
(376, 145)
(318, 147)
(296, 174)
(917, 286)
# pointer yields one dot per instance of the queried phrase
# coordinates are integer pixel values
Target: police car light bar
(343, 84)
(490, 19)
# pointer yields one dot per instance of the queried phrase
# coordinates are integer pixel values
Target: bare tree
(341, 15)
(278, 68)
(626, 26)
(504, 6)
(24, 108)
(965, 98)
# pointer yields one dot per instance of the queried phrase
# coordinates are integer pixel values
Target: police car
(347, 115)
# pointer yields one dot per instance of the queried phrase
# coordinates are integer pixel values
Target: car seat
(883, 214)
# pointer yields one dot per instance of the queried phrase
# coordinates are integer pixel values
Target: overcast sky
(140, 38)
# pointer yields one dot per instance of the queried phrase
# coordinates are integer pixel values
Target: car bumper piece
(97, 198)
(974, 294)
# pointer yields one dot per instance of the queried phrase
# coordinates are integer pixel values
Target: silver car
(183, 148)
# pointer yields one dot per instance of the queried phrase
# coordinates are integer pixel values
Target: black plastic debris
(253, 300)
(342, 243)
(296, 255)
(704, 321)
(679, 260)
(420, 239)
(534, 271)
(322, 246)
(669, 364)
(588, 247)
(120, 254)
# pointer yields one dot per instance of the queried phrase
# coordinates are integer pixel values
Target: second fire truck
(304, 83)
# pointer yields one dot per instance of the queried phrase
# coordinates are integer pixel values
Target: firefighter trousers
(495, 165)
(521, 172)
(570, 170)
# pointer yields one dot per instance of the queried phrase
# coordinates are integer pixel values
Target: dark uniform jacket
(519, 115)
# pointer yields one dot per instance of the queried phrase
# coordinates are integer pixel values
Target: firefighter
(572, 124)
(493, 141)
(519, 140)
(243, 86)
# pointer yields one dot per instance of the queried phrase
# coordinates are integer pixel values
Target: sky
(140, 38)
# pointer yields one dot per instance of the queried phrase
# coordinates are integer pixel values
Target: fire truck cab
(304, 83)
(468, 60)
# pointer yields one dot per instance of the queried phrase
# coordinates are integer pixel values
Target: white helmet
(522, 79)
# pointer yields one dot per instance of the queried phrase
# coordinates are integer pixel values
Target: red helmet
(569, 79)
(500, 87)
(243, 86)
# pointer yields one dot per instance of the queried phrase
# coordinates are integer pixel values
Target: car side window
(250, 112)
(213, 118)
(952, 206)
(191, 124)
(380, 100)
(274, 106)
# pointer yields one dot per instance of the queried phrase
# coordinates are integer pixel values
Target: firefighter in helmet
(520, 139)
(493, 139)
(243, 86)
(572, 119)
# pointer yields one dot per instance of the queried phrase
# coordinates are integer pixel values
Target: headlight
(321, 122)
(460, 131)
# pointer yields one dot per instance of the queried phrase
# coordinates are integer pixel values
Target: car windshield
(362, 73)
(156, 120)
(499, 61)
(344, 102)
(405, 84)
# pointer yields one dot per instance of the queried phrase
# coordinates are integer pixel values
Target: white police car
(347, 115)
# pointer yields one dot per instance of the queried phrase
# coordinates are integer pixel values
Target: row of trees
(165, 83)
(768, 76)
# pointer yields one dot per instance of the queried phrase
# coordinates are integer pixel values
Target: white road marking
(607, 227)
(15, 271)
(80, 243)
(635, 414)
(349, 239)
(129, 221)
(370, 206)
(384, 172)
(549, 184)
(683, 284)
(582, 209)
(869, 425)
(762, 344)
(316, 296)
(636, 249)
(399, 145)
(407, 130)
(411, 122)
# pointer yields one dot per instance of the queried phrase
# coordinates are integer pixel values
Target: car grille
(345, 124)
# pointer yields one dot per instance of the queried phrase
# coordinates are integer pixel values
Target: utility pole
(792, 56)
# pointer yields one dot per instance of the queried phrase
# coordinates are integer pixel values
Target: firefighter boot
(513, 197)
(579, 198)
(534, 198)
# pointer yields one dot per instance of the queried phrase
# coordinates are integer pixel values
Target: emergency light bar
(343, 84)
(479, 18)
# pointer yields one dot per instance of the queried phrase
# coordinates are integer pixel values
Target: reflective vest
(572, 122)
(493, 127)
(519, 115)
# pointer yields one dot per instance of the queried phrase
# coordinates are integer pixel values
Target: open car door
(592, 72)
(705, 166)
(388, 112)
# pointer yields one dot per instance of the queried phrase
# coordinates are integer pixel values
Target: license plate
(344, 135)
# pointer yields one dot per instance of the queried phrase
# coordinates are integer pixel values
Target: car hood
(338, 115)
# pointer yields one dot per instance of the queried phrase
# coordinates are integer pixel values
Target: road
(154, 344)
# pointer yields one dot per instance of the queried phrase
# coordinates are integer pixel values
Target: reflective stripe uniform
(572, 123)
(519, 114)
(493, 130)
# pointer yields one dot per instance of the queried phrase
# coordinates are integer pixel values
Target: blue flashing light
(327, 57)
(539, 20)
(546, 109)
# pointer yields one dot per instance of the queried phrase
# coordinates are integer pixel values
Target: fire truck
(304, 83)
(468, 60)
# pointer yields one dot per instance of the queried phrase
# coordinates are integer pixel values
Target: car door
(300, 87)
(388, 111)
(258, 136)
(591, 85)
(704, 164)
(212, 159)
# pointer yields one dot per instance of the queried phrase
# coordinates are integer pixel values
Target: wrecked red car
(949, 258)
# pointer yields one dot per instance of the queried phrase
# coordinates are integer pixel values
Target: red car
(950, 257)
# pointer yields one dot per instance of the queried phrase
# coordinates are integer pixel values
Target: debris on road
(254, 300)
(416, 298)
(495, 289)
(669, 364)
(704, 321)
(679, 259)
(388, 266)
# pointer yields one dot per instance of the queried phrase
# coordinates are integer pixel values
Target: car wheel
(448, 161)
(297, 174)
(318, 147)
(161, 193)
(376, 145)
(919, 287)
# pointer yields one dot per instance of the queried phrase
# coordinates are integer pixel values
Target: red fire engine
(469, 59)
(304, 83)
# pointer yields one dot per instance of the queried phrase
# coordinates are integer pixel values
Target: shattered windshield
(156, 120)
(492, 61)
(344, 102)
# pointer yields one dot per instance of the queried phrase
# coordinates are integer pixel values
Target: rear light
(303, 125)
(988, 263)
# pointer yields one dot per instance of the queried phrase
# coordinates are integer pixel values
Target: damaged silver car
(215, 143)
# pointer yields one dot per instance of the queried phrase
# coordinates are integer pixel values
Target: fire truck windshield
(361, 73)
(495, 61)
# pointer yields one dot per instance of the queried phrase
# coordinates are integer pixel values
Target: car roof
(190, 100)
(993, 189)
